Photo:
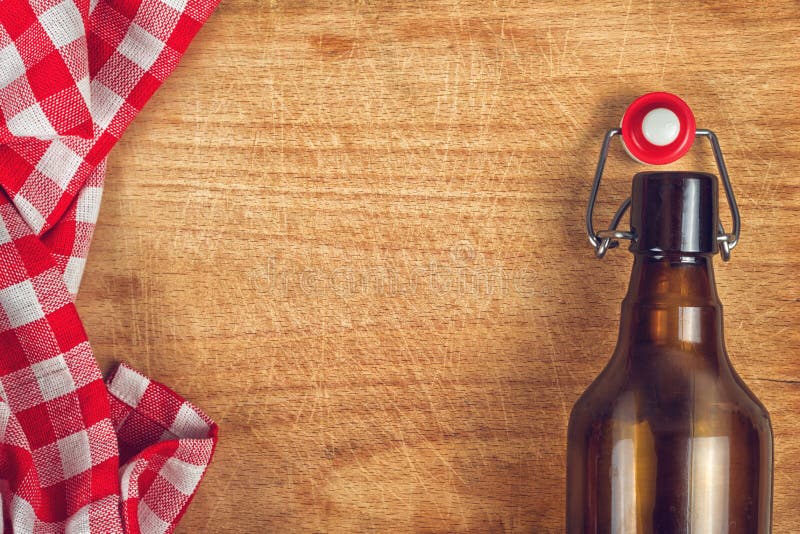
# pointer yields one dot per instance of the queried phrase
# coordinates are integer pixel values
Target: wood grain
(352, 233)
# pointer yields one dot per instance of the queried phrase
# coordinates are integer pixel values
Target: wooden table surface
(352, 232)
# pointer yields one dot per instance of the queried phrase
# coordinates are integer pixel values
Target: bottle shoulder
(668, 388)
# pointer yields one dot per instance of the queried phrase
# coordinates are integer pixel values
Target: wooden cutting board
(352, 232)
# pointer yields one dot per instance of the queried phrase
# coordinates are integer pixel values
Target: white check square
(20, 304)
(63, 23)
(184, 476)
(105, 104)
(140, 46)
(84, 86)
(59, 163)
(22, 515)
(178, 5)
(73, 273)
(189, 424)
(75, 454)
(53, 377)
(89, 204)
(128, 386)
(11, 65)
(31, 122)
(149, 521)
(5, 237)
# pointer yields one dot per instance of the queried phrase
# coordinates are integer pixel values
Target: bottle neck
(672, 305)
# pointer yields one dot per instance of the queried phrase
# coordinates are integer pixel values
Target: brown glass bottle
(668, 439)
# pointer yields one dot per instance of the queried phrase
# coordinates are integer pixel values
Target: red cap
(658, 128)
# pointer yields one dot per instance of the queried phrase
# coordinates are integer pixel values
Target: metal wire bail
(607, 239)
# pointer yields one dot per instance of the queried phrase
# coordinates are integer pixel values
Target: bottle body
(668, 439)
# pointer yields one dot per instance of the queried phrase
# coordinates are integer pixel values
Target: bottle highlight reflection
(668, 439)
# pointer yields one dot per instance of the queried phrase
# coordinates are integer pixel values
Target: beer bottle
(668, 438)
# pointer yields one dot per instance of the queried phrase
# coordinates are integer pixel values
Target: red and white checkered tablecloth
(79, 454)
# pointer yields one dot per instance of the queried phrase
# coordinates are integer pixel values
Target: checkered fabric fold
(78, 454)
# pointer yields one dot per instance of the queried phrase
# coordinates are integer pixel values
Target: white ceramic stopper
(661, 126)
